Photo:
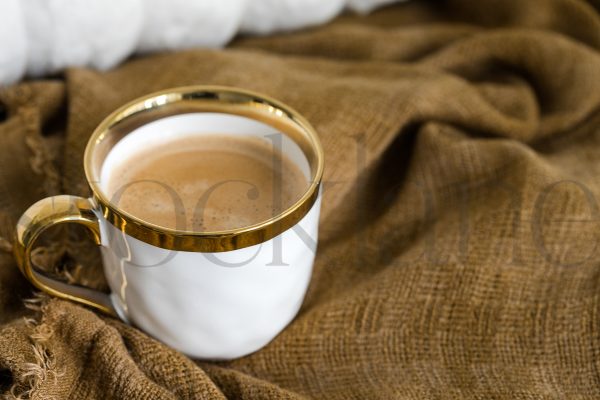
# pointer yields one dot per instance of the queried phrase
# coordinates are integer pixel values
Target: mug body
(215, 305)
(211, 305)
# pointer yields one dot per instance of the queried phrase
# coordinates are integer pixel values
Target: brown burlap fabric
(459, 235)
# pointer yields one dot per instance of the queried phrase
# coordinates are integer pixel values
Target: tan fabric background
(460, 226)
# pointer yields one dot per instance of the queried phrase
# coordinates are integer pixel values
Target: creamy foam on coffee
(206, 182)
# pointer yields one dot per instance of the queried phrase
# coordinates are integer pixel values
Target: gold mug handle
(39, 217)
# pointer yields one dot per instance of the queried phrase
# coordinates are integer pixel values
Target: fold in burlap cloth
(460, 226)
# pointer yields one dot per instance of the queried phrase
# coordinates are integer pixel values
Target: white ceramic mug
(212, 295)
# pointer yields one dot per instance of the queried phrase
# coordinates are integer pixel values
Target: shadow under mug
(211, 295)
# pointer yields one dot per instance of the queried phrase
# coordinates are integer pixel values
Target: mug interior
(154, 135)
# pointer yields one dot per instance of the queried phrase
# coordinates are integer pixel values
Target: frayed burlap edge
(32, 375)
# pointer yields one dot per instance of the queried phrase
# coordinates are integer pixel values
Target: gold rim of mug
(210, 99)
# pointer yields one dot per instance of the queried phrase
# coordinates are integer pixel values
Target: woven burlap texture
(458, 254)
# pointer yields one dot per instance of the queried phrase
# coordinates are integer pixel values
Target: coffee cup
(209, 294)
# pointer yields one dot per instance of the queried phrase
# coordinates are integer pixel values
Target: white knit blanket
(38, 37)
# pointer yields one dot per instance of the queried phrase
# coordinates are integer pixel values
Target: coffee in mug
(220, 181)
